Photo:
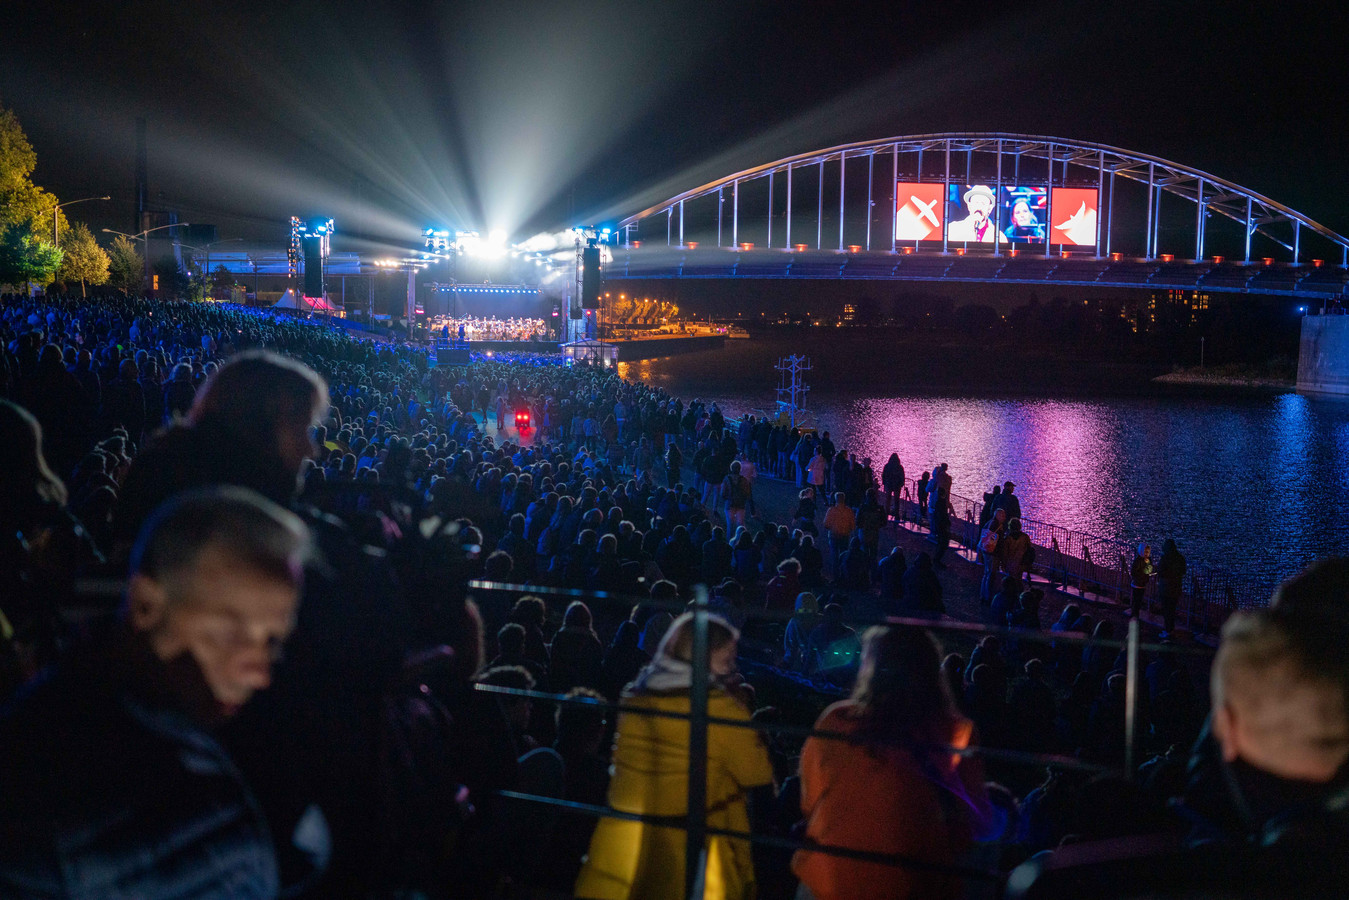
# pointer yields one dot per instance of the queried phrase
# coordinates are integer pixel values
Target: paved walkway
(776, 499)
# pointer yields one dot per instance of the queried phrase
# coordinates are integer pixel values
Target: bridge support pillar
(1323, 357)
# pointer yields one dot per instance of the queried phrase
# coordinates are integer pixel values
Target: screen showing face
(1073, 216)
(969, 214)
(918, 211)
(1023, 214)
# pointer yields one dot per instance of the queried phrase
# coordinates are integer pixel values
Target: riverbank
(656, 346)
(1275, 379)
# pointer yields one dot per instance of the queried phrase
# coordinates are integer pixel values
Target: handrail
(1209, 594)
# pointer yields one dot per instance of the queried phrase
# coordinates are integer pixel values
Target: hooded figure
(798, 631)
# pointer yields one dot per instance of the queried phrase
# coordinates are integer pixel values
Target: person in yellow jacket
(650, 777)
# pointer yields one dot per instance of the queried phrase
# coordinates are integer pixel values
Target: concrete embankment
(1254, 383)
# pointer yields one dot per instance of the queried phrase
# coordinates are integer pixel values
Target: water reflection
(1251, 484)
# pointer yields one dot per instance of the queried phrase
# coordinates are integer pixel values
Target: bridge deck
(661, 262)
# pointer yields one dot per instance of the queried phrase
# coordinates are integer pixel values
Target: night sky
(534, 116)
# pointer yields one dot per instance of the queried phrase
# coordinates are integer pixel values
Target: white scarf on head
(662, 675)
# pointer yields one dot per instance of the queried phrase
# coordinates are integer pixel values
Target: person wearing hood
(798, 630)
(650, 777)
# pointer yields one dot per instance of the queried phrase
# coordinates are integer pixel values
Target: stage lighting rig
(436, 240)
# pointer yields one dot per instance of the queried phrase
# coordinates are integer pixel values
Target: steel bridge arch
(1257, 213)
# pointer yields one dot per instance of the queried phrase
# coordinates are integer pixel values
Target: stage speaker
(592, 279)
(313, 265)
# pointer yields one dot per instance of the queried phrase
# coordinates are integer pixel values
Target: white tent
(592, 351)
(291, 300)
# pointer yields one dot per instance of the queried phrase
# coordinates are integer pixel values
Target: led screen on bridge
(971, 215)
(918, 211)
(1074, 216)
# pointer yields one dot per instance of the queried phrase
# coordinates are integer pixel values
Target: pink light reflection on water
(1059, 453)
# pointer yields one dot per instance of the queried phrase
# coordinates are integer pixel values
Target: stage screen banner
(1074, 213)
(1023, 214)
(970, 215)
(918, 211)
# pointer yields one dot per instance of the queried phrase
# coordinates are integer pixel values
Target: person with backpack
(989, 539)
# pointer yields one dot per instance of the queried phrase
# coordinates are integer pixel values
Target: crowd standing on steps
(295, 691)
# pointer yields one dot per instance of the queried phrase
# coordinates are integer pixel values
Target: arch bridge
(994, 208)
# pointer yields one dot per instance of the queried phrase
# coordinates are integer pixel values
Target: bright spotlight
(436, 240)
(469, 243)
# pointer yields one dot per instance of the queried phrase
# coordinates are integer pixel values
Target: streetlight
(144, 238)
(56, 234)
(141, 235)
(206, 272)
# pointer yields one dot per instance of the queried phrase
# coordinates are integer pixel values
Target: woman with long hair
(890, 782)
(651, 773)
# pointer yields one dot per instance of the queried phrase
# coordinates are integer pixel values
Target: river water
(1251, 483)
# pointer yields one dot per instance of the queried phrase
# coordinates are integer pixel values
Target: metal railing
(1072, 559)
(694, 822)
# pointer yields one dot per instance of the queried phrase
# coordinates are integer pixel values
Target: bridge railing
(1089, 563)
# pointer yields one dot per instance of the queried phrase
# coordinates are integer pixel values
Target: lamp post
(56, 233)
(144, 238)
(206, 248)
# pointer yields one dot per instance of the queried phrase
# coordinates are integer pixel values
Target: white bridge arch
(1032, 158)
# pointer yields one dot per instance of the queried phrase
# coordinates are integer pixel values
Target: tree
(977, 317)
(21, 201)
(173, 281)
(126, 268)
(85, 261)
(25, 257)
(222, 279)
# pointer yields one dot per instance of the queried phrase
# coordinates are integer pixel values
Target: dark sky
(534, 115)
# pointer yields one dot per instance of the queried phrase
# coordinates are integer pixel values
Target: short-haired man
(978, 225)
(1275, 709)
(113, 783)
(1275, 759)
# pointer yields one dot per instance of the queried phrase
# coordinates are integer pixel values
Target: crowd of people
(260, 484)
(489, 328)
